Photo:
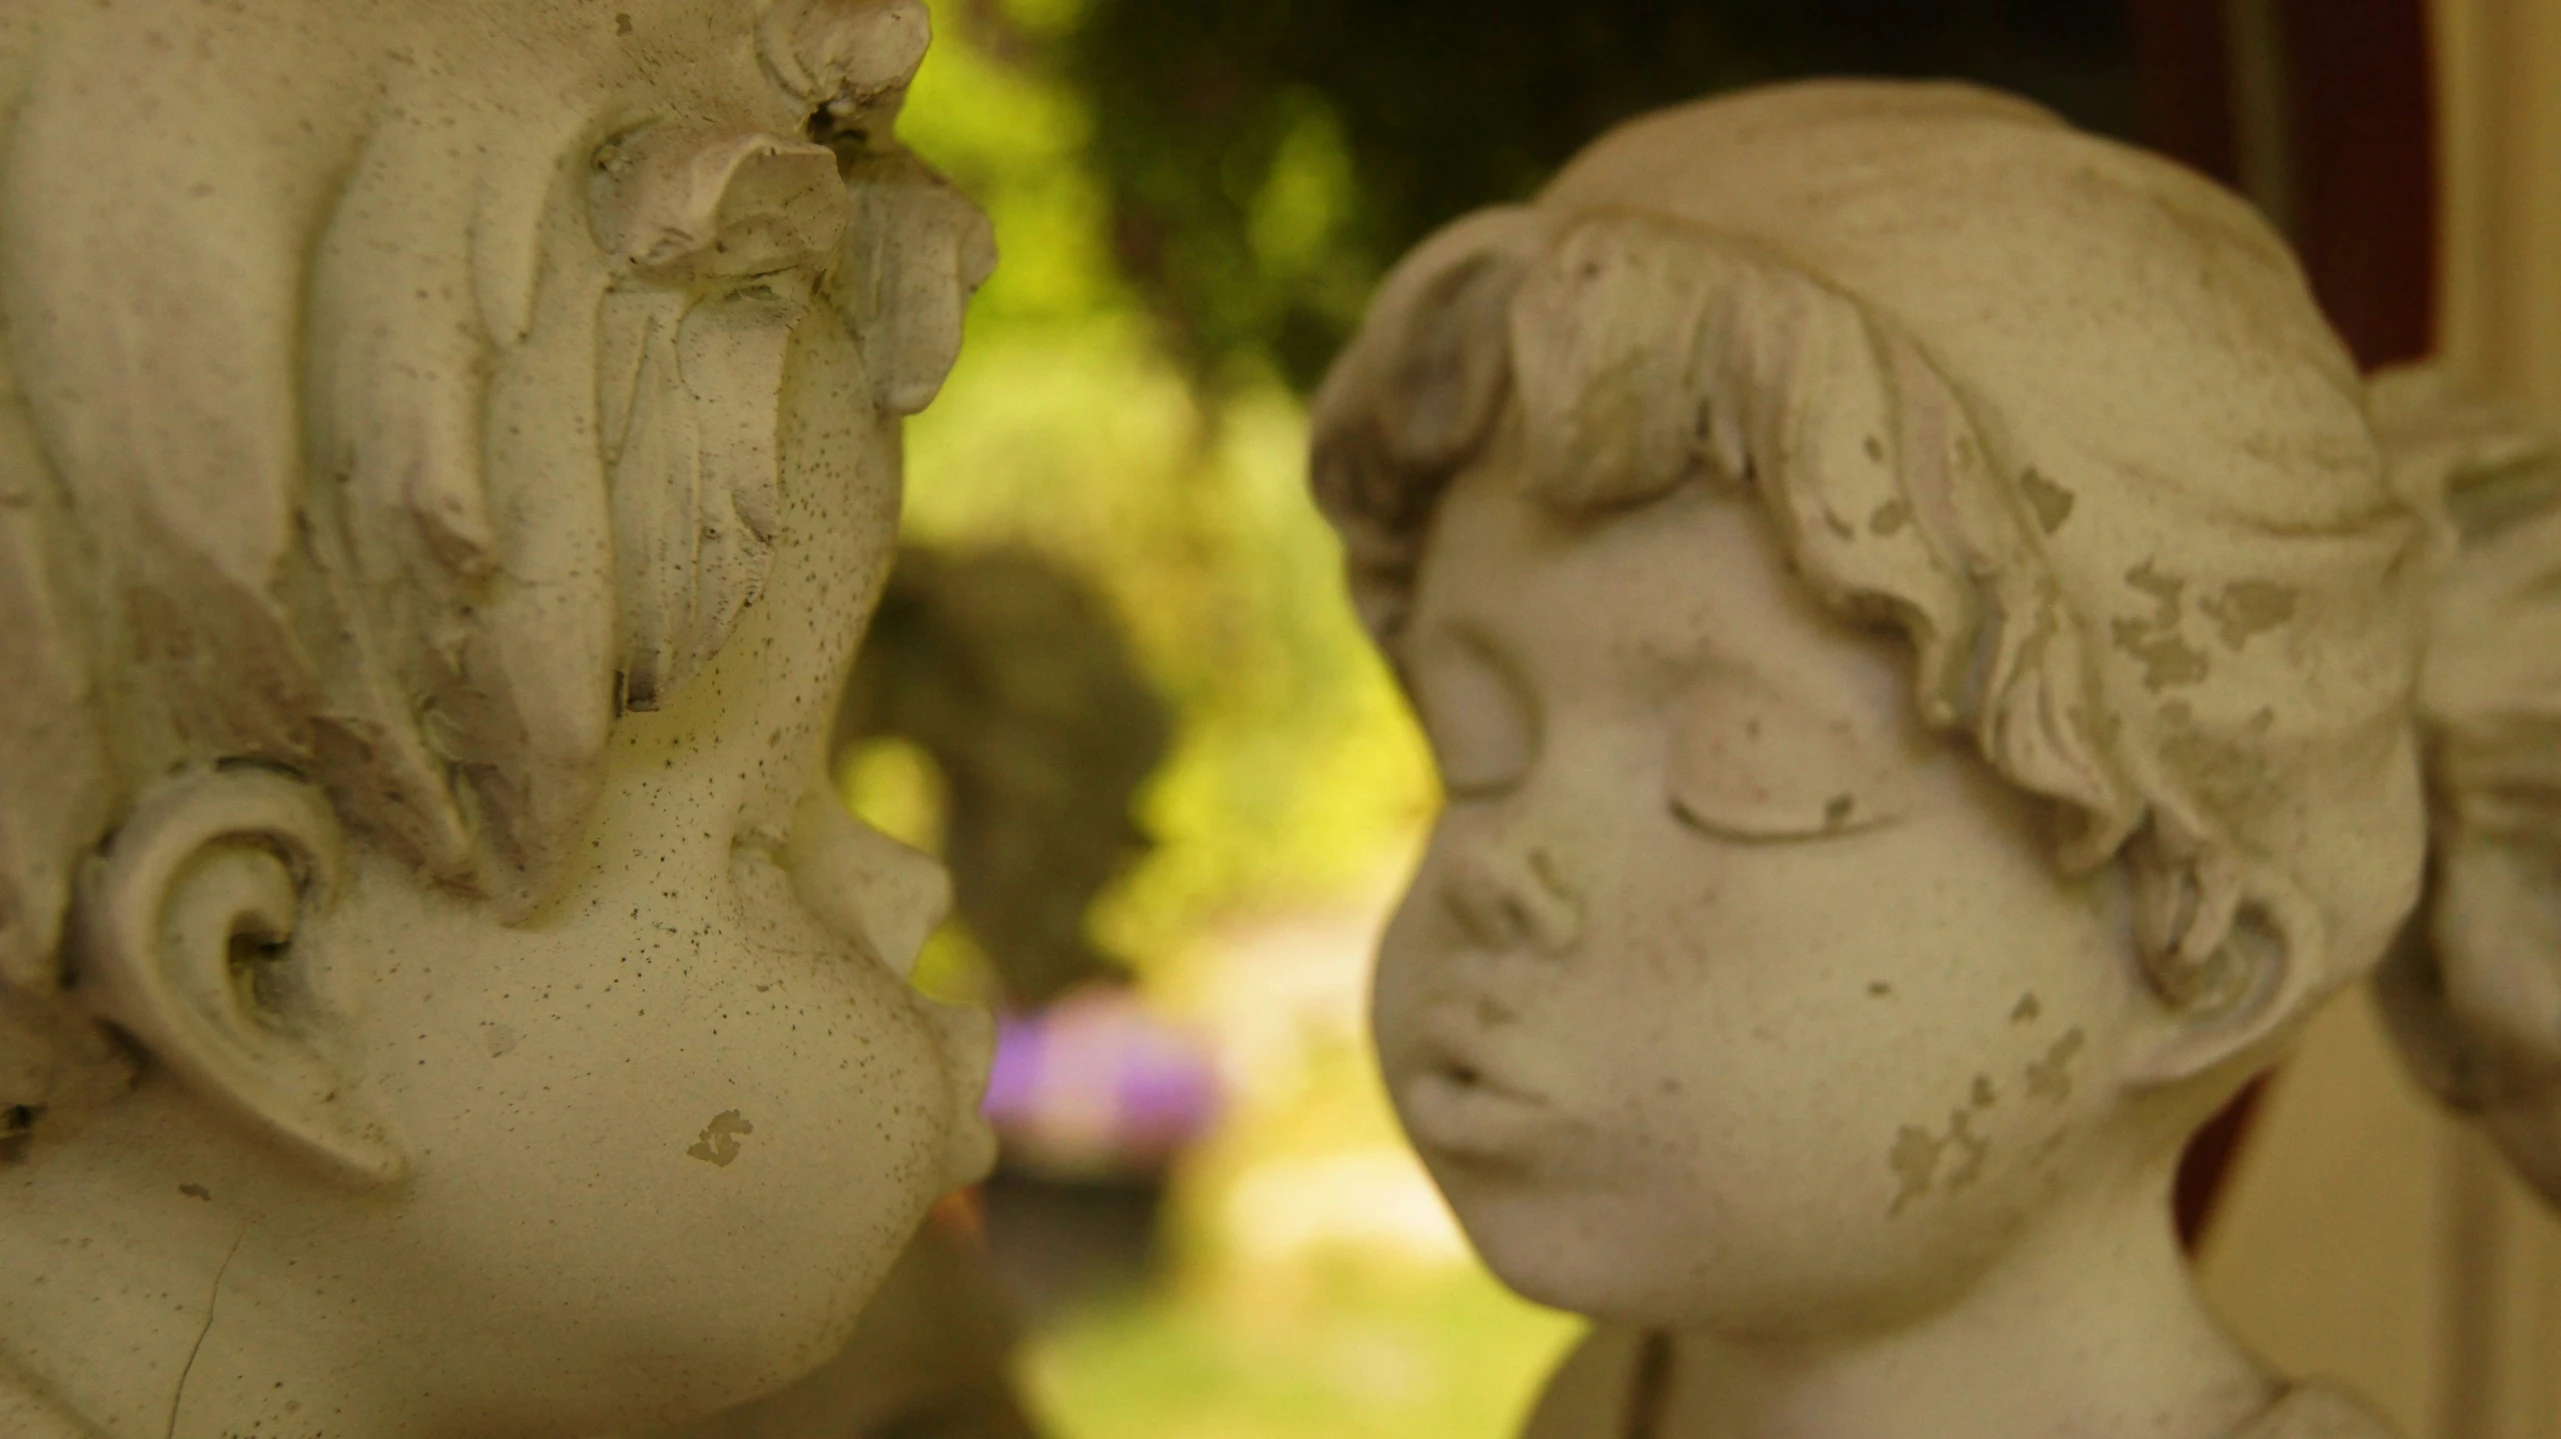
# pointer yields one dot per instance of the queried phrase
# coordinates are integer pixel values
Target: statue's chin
(1591, 1252)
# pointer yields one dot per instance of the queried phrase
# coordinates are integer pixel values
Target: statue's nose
(865, 886)
(1507, 893)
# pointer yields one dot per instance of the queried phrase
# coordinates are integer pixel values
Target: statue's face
(664, 1135)
(667, 1135)
(2473, 992)
(2495, 924)
(1724, 996)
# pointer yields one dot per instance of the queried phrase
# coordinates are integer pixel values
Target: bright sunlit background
(1309, 1282)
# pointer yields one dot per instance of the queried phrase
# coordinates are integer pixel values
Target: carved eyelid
(1747, 762)
(1727, 830)
(1484, 730)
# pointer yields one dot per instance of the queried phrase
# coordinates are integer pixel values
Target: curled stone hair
(2474, 1019)
(2061, 413)
(2490, 692)
(285, 473)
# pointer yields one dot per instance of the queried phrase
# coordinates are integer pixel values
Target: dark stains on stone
(718, 1143)
(2051, 502)
(1977, 1150)
(2166, 592)
(1915, 1161)
(2051, 1077)
(2167, 659)
(17, 1123)
(1917, 1153)
(2247, 608)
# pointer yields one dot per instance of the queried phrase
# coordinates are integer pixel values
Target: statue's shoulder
(2317, 1411)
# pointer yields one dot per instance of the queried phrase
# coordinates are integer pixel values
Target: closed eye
(1749, 761)
(1483, 727)
(1841, 815)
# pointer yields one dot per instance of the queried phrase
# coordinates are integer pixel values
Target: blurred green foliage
(1068, 430)
(1265, 159)
(1071, 429)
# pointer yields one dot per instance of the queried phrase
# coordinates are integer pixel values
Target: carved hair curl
(285, 476)
(1926, 326)
(2473, 1017)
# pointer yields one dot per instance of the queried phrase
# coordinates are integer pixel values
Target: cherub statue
(2473, 992)
(1917, 637)
(447, 454)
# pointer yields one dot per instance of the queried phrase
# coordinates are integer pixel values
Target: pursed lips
(1465, 1096)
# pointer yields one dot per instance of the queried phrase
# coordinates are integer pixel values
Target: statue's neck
(163, 1293)
(2091, 1319)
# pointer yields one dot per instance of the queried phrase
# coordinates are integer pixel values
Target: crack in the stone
(213, 1303)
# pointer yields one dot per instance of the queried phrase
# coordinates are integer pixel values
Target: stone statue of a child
(1917, 637)
(448, 451)
(2473, 991)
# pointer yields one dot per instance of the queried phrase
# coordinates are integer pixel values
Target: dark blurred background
(1435, 107)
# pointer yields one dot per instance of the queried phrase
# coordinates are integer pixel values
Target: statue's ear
(2260, 974)
(193, 930)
